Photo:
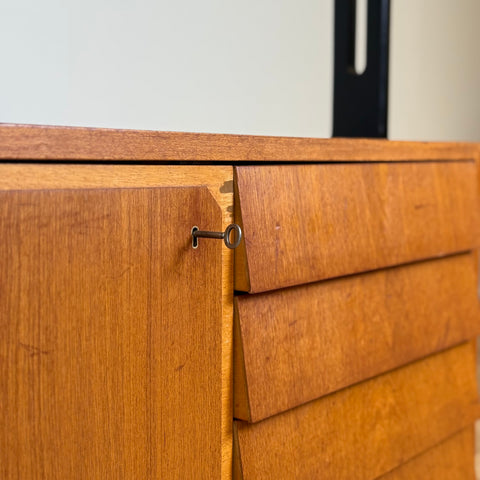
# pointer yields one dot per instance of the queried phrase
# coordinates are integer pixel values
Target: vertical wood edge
(241, 404)
(477, 166)
(237, 460)
(242, 276)
(223, 194)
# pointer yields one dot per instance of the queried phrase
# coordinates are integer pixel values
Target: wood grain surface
(367, 430)
(34, 142)
(305, 223)
(452, 459)
(301, 343)
(114, 357)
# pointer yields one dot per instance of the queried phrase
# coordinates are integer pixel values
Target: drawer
(305, 223)
(452, 459)
(298, 344)
(364, 431)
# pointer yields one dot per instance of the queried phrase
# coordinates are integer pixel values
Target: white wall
(253, 66)
(256, 66)
(435, 70)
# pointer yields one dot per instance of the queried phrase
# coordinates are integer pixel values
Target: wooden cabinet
(340, 336)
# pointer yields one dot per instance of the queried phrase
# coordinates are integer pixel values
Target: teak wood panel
(300, 343)
(366, 430)
(113, 344)
(453, 459)
(219, 182)
(305, 223)
(35, 142)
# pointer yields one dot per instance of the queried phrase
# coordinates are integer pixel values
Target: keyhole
(194, 239)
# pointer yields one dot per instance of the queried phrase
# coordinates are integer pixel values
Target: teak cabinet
(339, 334)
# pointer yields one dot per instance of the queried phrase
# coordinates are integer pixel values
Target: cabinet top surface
(35, 142)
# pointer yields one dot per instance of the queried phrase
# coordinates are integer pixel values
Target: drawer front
(367, 430)
(305, 223)
(298, 344)
(452, 459)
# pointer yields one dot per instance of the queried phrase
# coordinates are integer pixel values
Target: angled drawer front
(450, 460)
(305, 223)
(298, 344)
(367, 430)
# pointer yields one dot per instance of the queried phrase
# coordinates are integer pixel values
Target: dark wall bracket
(360, 104)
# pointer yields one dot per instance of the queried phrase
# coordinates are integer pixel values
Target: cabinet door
(114, 347)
